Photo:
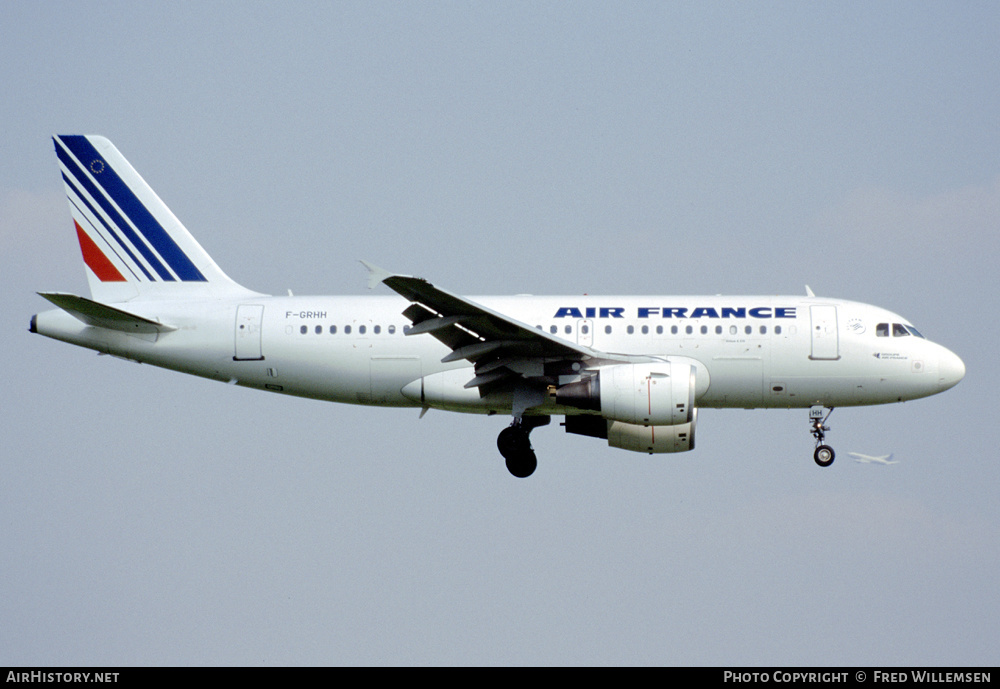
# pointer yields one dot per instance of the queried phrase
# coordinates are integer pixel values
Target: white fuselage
(631, 370)
(749, 351)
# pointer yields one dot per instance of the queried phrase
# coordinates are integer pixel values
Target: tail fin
(133, 246)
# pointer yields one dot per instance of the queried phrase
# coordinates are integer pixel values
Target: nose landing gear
(824, 454)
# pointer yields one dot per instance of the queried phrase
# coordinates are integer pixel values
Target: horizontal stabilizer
(104, 316)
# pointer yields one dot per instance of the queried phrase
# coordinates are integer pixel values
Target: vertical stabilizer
(134, 247)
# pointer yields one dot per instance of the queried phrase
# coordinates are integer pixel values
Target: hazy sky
(657, 148)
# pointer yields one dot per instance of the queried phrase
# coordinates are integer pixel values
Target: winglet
(376, 275)
(809, 292)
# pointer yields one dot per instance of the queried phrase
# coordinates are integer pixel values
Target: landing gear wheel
(513, 441)
(824, 455)
(516, 449)
(522, 465)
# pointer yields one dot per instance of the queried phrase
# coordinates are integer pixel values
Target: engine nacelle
(630, 436)
(657, 394)
(652, 439)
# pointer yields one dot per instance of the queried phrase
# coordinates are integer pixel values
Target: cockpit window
(898, 330)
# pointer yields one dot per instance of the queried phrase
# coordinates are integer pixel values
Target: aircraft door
(248, 332)
(825, 338)
(585, 332)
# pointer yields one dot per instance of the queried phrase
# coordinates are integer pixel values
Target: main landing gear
(824, 454)
(515, 447)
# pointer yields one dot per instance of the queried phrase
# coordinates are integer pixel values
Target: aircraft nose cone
(951, 370)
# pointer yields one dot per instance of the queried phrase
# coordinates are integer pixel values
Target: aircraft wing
(501, 348)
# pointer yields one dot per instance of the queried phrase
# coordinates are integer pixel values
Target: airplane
(869, 459)
(631, 370)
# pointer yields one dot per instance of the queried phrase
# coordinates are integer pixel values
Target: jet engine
(634, 437)
(657, 394)
(652, 439)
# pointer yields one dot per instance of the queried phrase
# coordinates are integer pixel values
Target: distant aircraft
(868, 459)
(631, 370)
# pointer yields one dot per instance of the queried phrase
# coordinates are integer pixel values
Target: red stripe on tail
(95, 258)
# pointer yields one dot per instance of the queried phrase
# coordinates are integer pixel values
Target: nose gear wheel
(824, 454)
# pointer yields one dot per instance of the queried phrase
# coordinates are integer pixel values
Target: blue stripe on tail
(117, 190)
(112, 232)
